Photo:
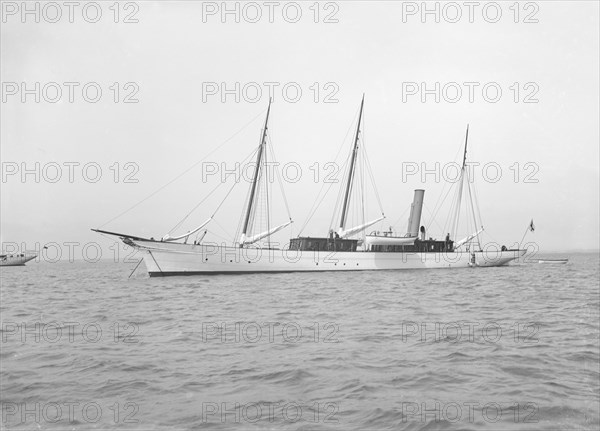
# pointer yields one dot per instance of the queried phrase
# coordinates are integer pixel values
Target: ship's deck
(339, 244)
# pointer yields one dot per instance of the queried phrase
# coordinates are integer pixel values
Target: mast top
(268, 111)
(465, 154)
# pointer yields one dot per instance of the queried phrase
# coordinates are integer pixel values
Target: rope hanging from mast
(280, 180)
(319, 199)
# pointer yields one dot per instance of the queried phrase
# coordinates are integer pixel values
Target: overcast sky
(547, 149)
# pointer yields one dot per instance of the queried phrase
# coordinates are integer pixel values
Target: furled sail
(168, 237)
(467, 239)
(254, 238)
(348, 232)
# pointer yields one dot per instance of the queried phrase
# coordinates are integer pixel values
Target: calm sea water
(84, 347)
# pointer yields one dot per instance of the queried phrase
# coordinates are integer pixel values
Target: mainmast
(351, 169)
(259, 156)
(464, 173)
(476, 234)
(461, 183)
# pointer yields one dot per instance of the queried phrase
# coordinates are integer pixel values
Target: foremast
(259, 156)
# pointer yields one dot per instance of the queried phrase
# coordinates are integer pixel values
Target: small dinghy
(553, 261)
(16, 259)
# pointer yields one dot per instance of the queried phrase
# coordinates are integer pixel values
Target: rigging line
(255, 204)
(259, 204)
(336, 208)
(251, 199)
(361, 188)
(212, 232)
(473, 210)
(362, 173)
(449, 223)
(494, 240)
(246, 202)
(267, 200)
(222, 228)
(473, 199)
(195, 207)
(207, 196)
(280, 181)
(468, 227)
(451, 214)
(370, 172)
(367, 163)
(459, 201)
(350, 127)
(454, 207)
(450, 219)
(317, 202)
(476, 199)
(401, 215)
(463, 211)
(435, 208)
(363, 196)
(432, 220)
(347, 191)
(338, 203)
(467, 217)
(235, 183)
(438, 205)
(317, 205)
(364, 193)
(184, 172)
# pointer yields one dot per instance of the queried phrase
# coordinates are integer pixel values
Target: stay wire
(207, 196)
(184, 172)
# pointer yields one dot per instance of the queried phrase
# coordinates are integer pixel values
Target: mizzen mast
(464, 173)
(351, 170)
(461, 184)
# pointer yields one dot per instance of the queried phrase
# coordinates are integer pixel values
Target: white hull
(16, 260)
(163, 259)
